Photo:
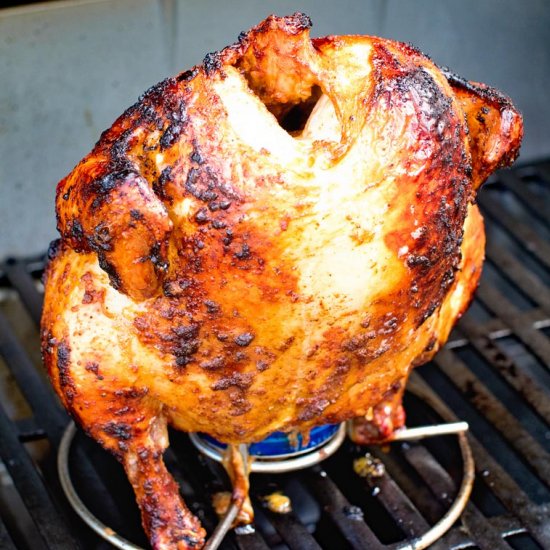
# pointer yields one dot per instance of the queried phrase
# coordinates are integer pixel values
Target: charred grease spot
(301, 21)
(176, 113)
(91, 294)
(239, 403)
(244, 339)
(119, 147)
(358, 342)
(212, 307)
(118, 430)
(100, 188)
(54, 249)
(186, 76)
(171, 135)
(157, 258)
(213, 364)
(131, 393)
(100, 239)
(429, 310)
(159, 185)
(243, 253)
(238, 380)
(155, 94)
(419, 261)
(219, 224)
(390, 324)
(48, 341)
(196, 155)
(94, 369)
(201, 217)
(212, 63)
(171, 289)
(183, 343)
(311, 408)
(262, 365)
(148, 115)
(66, 381)
(240, 356)
(75, 230)
(228, 239)
(110, 269)
(434, 106)
(203, 182)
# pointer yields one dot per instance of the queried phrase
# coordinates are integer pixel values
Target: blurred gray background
(68, 69)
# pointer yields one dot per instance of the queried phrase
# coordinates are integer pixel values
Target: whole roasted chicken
(269, 241)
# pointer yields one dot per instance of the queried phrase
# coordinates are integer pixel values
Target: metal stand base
(273, 466)
(270, 466)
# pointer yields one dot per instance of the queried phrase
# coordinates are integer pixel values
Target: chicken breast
(269, 241)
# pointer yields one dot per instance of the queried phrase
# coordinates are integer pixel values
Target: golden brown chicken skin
(269, 241)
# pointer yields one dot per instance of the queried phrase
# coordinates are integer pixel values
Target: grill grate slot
(494, 372)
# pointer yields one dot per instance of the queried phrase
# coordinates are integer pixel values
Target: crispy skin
(221, 275)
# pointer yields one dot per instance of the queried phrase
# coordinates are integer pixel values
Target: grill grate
(493, 373)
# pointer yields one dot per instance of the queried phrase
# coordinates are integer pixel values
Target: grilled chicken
(269, 241)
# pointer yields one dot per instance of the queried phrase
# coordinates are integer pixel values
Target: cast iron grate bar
(338, 508)
(443, 488)
(497, 330)
(398, 505)
(6, 542)
(516, 273)
(496, 413)
(535, 394)
(30, 486)
(543, 171)
(499, 304)
(292, 532)
(34, 387)
(420, 479)
(21, 280)
(525, 236)
(408, 478)
(513, 183)
(536, 520)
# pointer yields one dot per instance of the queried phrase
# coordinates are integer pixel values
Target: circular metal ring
(79, 507)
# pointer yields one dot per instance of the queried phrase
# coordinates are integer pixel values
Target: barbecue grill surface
(494, 373)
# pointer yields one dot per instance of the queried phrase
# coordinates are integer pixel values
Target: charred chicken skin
(269, 241)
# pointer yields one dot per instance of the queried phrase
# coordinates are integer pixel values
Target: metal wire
(229, 517)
